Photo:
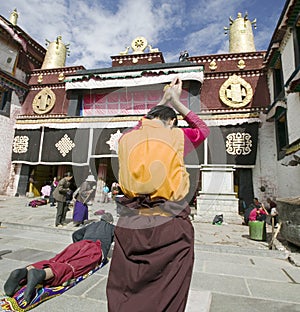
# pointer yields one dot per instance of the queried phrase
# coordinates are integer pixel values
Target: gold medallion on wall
(44, 101)
(236, 92)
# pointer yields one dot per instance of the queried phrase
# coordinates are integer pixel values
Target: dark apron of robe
(75, 260)
(152, 261)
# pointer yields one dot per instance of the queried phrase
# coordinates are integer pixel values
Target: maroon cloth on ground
(151, 267)
(75, 260)
(81, 212)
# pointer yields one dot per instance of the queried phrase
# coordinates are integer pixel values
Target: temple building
(233, 100)
(282, 61)
(19, 55)
(43, 114)
(70, 118)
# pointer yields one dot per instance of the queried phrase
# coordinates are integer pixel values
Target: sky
(99, 29)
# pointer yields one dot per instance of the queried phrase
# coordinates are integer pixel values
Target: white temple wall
(7, 171)
(265, 170)
(293, 113)
(288, 181)
(287, 56)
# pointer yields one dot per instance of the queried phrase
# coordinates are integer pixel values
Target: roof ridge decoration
(138, 46)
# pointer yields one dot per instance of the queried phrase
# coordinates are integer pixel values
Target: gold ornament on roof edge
(44, 101)
(61, 77)
(241, 64)
(213, 65)
(139, 44)
(236, 92)
(40, 78)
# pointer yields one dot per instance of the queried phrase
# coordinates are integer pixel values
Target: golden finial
(241, 37)
(14, 17)
(56, 54)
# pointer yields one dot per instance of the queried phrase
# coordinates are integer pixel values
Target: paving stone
(228, 303)
(288, 292)
(219, 283)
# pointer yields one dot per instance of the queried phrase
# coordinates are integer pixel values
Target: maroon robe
(152, 261)
(75, 260)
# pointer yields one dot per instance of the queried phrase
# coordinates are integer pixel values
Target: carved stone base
(209, 205)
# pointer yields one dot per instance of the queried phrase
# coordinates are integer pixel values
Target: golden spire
(241, 37)
(14, 17)
(56, 54)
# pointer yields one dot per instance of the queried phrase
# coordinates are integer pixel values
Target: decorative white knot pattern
(20, 144)
(65, 145)
(114, 140)
(238, 143)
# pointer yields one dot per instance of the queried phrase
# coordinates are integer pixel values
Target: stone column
(217, 194)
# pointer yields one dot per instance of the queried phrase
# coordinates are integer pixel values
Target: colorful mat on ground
(17, 302)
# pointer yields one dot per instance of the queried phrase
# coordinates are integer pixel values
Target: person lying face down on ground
(90, 247)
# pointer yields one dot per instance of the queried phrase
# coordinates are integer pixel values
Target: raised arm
(197, 131)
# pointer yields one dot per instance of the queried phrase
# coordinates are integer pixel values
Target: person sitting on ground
(274, 214)
(250, 208)
(258, 212)
(271, 203)
(90, 247)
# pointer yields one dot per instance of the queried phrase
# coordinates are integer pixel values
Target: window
(5, 100)
(125, 101)
(278, 80)
(8, 56)
(281, 135)
(296, 34)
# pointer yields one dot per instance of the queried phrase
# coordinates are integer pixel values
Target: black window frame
(296, 39)
(278, 80)
(5, 102)
(282, 140)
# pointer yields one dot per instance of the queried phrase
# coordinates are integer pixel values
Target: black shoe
(15, 277)
(34, 277)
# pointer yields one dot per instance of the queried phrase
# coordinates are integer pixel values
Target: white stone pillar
(217, 194)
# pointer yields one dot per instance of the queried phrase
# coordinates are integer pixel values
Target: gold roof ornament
(40, 78)
(139, 44)
(125, 52)
(14, 17)
(241, 37)
(61, 77)
(213, 65)
(56, 54)
(152, 50)
(241, 64)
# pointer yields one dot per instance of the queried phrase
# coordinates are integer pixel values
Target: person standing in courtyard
(54, 184)
(154, 239)
(60, 195)
(85, 192)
